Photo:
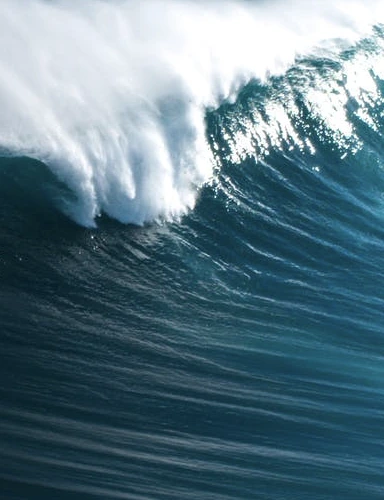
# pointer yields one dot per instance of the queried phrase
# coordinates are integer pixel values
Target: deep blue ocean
(191, 259)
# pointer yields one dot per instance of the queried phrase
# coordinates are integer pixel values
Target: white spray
(111, 95)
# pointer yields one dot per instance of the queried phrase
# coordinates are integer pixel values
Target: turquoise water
(231, 348)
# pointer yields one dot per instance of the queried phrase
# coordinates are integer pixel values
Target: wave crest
(112, 95)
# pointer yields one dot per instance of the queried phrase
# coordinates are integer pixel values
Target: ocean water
(191, 250)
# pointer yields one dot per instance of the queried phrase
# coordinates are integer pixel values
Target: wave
(238, 349)
(112, 96)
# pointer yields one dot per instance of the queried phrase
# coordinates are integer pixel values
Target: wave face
(229, 343)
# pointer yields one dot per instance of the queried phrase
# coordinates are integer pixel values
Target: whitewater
(112, 95)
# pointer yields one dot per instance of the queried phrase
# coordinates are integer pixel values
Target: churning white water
(112, 95)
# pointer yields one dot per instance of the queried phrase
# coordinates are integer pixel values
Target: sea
(191, 250)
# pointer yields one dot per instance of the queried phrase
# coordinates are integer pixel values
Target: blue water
(231, 349)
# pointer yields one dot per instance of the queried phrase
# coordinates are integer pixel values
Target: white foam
(112, 94)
